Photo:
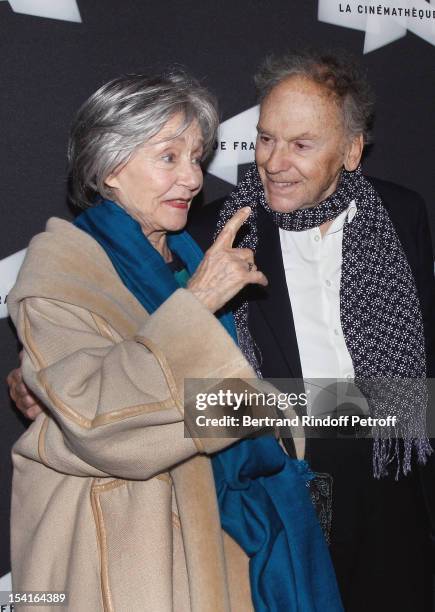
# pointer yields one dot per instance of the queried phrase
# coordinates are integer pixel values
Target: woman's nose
(190, 175)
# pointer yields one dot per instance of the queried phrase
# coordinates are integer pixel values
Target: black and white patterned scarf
(379, 309)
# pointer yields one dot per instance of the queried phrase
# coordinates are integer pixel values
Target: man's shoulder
(398, 200)
(406, 209)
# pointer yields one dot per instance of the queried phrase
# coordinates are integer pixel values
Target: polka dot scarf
(379, 306)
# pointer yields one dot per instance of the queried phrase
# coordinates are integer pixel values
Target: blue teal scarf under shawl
(262, 493)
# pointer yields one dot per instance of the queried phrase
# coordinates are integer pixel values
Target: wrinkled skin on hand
(225, 270)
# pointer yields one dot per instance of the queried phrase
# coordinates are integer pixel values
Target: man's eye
(301, 146)
(264, 139)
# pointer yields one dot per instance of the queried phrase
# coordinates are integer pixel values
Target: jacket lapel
(274, 302)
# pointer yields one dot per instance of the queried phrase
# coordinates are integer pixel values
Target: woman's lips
(180, 204)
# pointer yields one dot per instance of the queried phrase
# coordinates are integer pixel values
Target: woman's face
(157, 185)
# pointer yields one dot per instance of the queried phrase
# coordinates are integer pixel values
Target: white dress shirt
(312, 265)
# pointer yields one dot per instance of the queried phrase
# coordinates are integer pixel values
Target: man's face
(302, 145)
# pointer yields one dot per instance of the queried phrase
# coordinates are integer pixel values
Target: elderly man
(351, 294)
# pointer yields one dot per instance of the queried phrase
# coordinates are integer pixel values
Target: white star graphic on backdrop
(236, 143)
(66, 10)
(5, 585)
(9, 268)
(381, 29)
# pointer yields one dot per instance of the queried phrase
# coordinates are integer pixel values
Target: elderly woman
(112, 503)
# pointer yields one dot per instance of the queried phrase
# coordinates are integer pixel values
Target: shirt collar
(338, 223)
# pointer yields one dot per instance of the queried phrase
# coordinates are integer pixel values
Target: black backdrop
(48, 67)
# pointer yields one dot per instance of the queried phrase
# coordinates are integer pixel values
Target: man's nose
(278, 160)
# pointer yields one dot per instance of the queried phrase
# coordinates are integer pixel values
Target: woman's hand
(24, 399)
(224, 271)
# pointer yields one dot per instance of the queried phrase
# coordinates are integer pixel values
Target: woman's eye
(197, 160)
(168, 157)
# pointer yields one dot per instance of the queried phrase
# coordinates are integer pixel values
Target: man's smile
(281, 185)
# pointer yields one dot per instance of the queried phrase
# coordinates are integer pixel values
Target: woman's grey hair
(123, 115)
(337, 72)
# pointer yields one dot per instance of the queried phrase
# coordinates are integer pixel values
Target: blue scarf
(262, 493)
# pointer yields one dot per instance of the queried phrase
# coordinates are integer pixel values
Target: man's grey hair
(337, 72)
(123, 115)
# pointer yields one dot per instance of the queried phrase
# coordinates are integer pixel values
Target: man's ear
(354, 152)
